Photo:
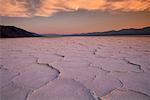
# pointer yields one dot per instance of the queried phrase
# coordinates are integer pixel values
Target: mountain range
(131, 31)
(14, 32)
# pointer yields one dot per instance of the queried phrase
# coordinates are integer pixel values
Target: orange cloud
(22, 8)
(130, 5)
(48, 7)
(13, 8)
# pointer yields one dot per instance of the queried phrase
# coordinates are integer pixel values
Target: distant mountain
(14, 32)
(131, 31)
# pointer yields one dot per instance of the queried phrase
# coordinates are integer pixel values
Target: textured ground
(75, 68)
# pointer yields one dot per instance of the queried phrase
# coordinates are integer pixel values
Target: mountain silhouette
(131, 31)
(14, 32)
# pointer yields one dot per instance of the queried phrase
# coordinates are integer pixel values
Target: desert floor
(75, 68)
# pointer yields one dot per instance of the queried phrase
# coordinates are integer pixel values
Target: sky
(74, 16)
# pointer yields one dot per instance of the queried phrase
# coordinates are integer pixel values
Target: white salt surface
(75, 68)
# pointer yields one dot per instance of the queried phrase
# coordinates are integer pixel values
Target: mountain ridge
(130, 31)
(14, 32)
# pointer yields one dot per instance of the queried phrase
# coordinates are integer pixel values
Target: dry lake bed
(75, 68)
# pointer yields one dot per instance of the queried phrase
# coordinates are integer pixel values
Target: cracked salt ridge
(143, 61)
(96, 80)
(34, 80)
(95, 51)
(42, 73)
(85, 74)
(125, 95)
(18, 65)
(73, 70)
(13, 92)
(135, 81)
(115, 65)
(139, 66)
(66, 89)
(37, 61)
(23, 81)
(6, 76)
(103, 84)
(63, 71)
(49, 66)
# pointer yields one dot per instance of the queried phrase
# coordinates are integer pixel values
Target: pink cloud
(13, 8)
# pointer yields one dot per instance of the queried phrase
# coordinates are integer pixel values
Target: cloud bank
(29, 8)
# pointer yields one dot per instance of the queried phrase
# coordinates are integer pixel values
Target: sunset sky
(75, 16)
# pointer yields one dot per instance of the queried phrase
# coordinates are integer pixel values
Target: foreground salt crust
(75, 68)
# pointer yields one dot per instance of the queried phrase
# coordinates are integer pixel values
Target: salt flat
(75, 68)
